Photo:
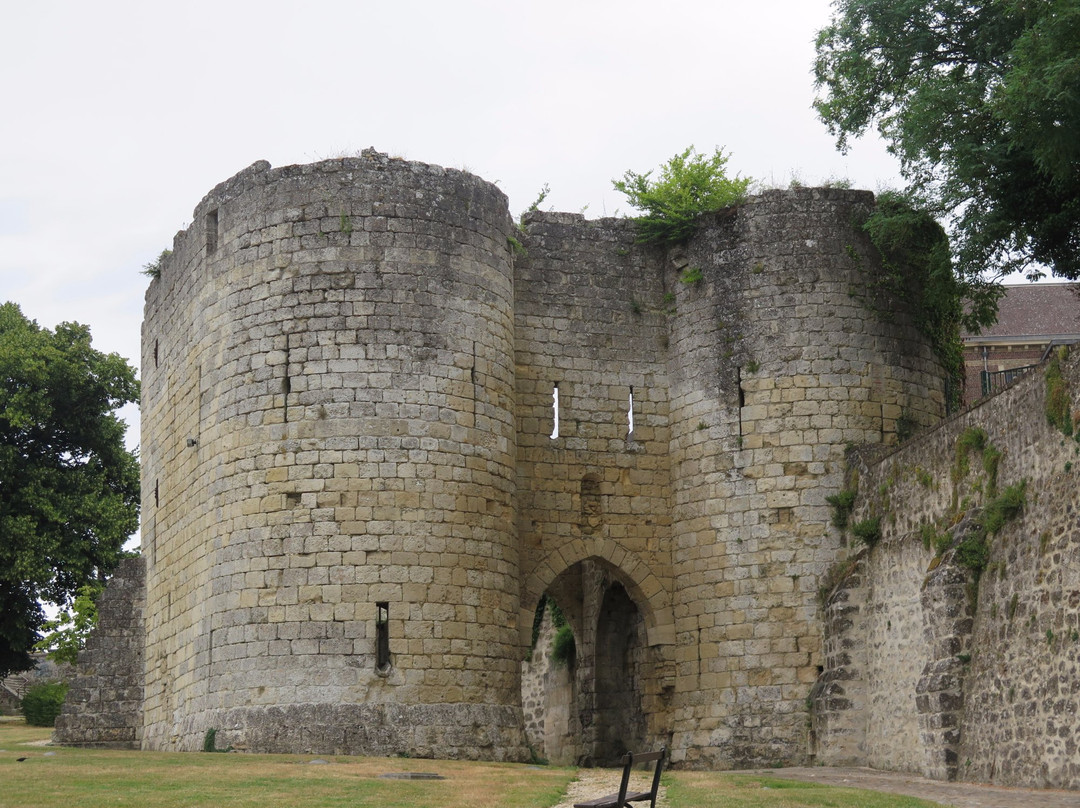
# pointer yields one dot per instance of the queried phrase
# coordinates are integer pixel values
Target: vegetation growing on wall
(917, 271)
(153, 269)
(689, 185)
(842, 503)
(1058, 401)
(973, 551)
(973, 548)
(868, 531)
(563, 645)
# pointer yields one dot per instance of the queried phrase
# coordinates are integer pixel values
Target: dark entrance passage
(594, 706)
(620, 662)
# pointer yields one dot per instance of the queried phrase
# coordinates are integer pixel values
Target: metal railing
(994, 381)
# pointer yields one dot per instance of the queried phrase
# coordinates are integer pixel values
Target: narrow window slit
(742, 397)
(382, 637)
(157, 499)
(286, 386)
(555, 411)
(630, 416)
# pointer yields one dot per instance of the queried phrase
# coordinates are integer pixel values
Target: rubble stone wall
(985, 663)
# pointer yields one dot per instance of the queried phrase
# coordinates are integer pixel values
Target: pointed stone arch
(641, 583)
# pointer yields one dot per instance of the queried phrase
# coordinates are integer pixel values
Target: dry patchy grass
(66, 777)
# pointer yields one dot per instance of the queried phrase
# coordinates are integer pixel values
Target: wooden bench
(623, 797)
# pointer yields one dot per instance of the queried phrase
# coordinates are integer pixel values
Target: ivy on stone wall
(917, 271)
(1058, 401)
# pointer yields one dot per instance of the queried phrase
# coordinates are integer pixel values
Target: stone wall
(547, 701)
(779, 359)
(349, 375)
(327, 429)
(104, 704)
(931, 667)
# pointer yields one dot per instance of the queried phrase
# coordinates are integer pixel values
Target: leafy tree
(689, 185)
(66, 635)
(980, 100)
(69, 490)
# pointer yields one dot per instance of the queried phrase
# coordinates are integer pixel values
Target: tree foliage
(980, 100)
(689, 185)
(66, 634)
(69, 489)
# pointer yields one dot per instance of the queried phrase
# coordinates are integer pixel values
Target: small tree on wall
(689, 185)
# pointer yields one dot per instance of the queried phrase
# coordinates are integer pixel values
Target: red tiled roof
(1037, 309)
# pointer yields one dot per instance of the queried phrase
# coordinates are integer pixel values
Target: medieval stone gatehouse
(381, 421)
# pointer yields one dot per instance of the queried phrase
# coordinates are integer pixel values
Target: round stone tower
(781, 357)
(328, 467)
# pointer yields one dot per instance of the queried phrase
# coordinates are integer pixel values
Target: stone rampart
(932, 667)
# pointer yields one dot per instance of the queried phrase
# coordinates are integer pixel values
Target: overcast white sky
(118, 117)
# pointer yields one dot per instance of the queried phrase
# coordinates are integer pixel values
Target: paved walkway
(959, 795)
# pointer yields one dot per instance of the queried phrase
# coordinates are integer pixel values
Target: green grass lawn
(66, 777)
(715, 790)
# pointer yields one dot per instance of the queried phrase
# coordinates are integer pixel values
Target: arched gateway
(380, 421)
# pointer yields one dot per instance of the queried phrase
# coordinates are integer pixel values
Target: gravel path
(593, 783)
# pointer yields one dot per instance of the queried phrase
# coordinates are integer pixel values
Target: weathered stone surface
(105, 698)
(348, 379)
(988, 667)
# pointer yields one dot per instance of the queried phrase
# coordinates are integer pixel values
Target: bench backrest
(629, 761)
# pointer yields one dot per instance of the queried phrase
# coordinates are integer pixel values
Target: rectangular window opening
(211, 231)
(630, 416)
(382, 637)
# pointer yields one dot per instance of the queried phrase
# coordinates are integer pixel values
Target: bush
(842, 504)
(563, 647)
(42, 703)
(690, 184)
(868, 531)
